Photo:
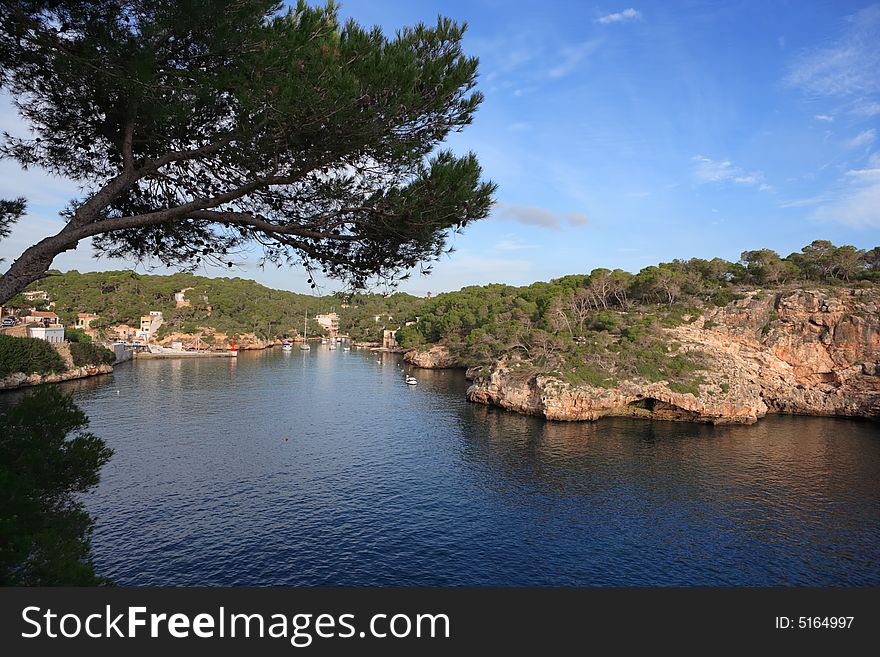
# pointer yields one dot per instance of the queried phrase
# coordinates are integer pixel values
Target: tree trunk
(33, 264)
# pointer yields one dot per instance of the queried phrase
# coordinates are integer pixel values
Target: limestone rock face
(435, 358)
(20, 379)
(808, 352)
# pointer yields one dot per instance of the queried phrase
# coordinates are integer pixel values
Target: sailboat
(305, 345)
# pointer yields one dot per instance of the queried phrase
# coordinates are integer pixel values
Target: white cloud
(513, 244)
(864, 138)
(847, 67)
(532, 216)
(624, 16)
(707, 170)
(857, 202)
(802, 202)
(867, 108)
(571, 56)
(824, 117)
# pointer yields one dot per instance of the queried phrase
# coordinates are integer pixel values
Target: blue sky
(621, 135)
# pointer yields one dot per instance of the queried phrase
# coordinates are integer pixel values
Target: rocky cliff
(810, 352)
(435, 358)
(218, 341)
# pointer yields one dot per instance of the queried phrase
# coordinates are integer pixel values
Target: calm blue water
(324, 468)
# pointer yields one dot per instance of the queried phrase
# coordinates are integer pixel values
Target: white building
(329, 322)
(149, 325)
(51, 333)
(180, 298)
(42, 295)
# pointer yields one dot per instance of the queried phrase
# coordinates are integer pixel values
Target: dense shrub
(90, 354)
(28, 355)
(77, 335)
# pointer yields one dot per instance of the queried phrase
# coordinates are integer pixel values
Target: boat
(305, 345)
(346, 349)
(410, 380)
(286, 346)
(332, 346)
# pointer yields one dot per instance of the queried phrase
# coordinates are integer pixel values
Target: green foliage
(358, 318)
(724, 296)
(678, 315)
(77, 335)
(49, 460)
(84, 353)
(687, 388)
(586, 375)
(312, 138)
(409, 337)
(28, 355)
(10, 212)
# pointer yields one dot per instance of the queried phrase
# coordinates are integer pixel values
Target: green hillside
(229, 305)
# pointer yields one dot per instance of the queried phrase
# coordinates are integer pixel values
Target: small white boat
(332, 346)
(411, 380)
(346, 349)
(286, 346)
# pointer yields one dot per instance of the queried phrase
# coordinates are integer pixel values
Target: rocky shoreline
(21, 380)
(809, 352)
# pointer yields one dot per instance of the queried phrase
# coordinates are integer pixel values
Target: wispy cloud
(864, 138)
(824, 117)
(847, 67)
(624, 16)
(857, 202)
(707, 170)
(532, 216)
(867, 108)
(512, 243)
(571, 56)
(803, 202)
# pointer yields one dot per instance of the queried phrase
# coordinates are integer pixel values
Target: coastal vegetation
(49, 461)
(608, 325)
(29, 355)
(84, 353)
